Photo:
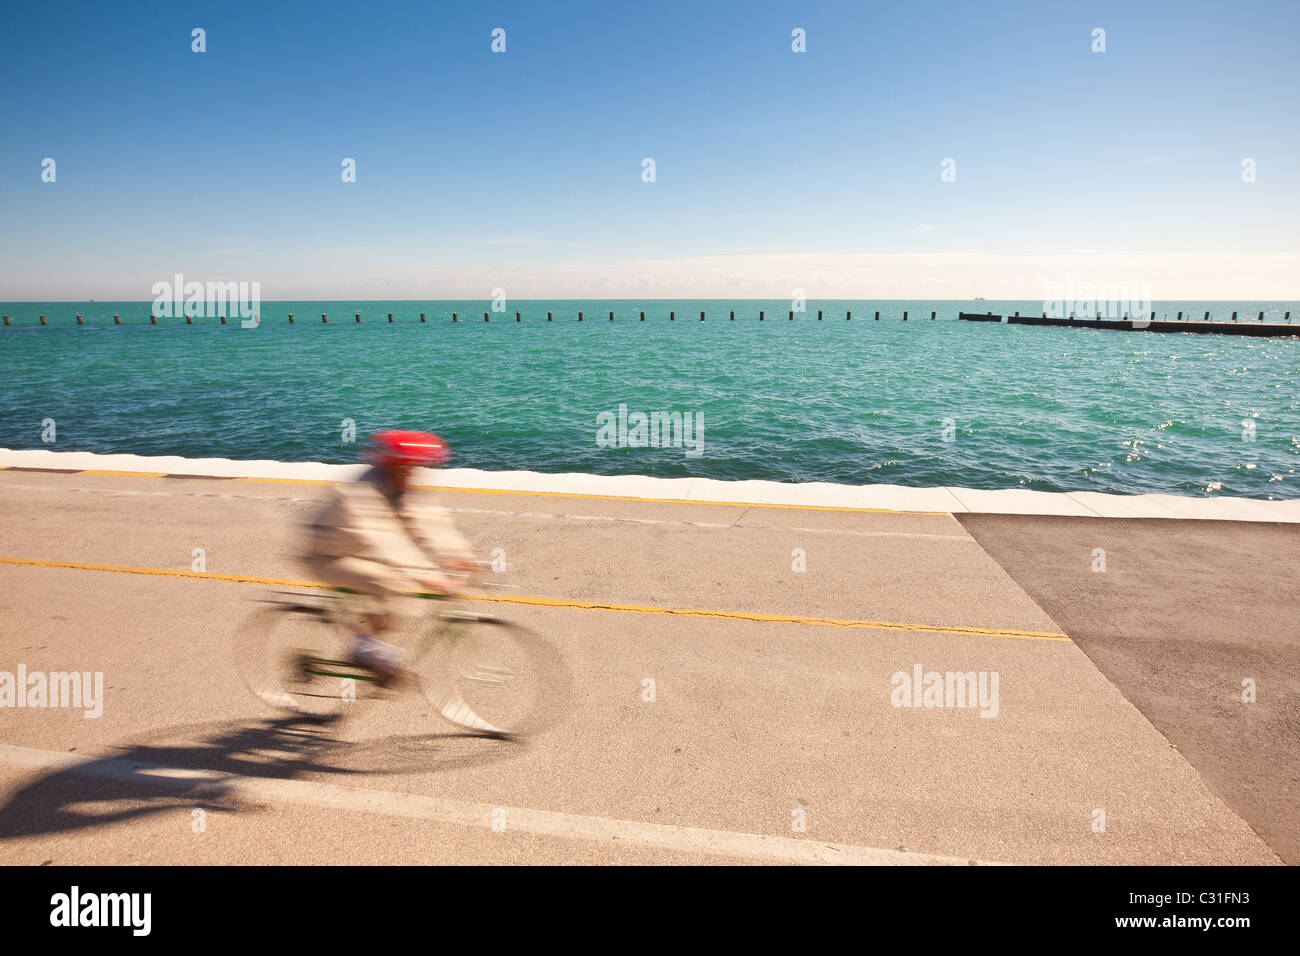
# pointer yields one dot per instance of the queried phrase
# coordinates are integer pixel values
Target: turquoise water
(843, 401)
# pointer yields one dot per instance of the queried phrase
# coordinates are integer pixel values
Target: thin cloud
(1010, 274)
(937, 275)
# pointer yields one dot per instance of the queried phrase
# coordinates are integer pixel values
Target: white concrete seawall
(946, 500)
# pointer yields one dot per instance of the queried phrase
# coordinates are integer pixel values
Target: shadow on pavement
(1182, 616)
(105, 791)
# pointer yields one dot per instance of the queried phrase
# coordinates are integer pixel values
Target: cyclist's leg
(373, 598)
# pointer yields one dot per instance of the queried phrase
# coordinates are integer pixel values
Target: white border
(815, 494)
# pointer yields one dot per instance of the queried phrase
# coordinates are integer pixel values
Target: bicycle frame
(428, 636)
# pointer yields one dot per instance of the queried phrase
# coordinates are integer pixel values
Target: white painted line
(135, 493)
(417, 806)
(704, 490)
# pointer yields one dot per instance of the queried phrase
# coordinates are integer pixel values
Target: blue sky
(523, 169)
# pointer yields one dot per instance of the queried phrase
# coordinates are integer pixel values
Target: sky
(773, 169)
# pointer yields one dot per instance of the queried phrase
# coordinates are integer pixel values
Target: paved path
(756, 722)
(1183, 614)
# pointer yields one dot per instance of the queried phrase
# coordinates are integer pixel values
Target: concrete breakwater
(1232, 327)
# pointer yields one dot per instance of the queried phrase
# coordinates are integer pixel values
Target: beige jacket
(372, 545)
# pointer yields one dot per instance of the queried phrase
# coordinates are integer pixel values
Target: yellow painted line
(584, 605)
(163, 572)
(446, 489)
(562, 494)
(777, 618)
(131, 474)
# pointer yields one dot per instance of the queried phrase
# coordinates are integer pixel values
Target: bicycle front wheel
(493, 676)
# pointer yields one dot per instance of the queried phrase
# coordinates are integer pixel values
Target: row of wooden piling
(672, 317)
(455, 317)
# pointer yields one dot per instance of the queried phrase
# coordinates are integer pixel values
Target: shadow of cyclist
(133, 783)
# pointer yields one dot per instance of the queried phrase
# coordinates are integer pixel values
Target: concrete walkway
(774, 700)
(1184, 617)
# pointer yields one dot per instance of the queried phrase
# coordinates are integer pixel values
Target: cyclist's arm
(434, 531)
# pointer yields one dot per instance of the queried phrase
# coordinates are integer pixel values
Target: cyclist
(376, 539)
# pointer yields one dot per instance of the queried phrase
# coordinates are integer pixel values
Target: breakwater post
(642, 316)
(904, 316)
(733, 315)
(6, 320)
(877, 316)
(43, 320)
(291, 318)
(548, 316)
(701, 316)
(672, 316)
(79, 322)
(760, 315)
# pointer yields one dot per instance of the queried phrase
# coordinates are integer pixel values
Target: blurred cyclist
(375, 539)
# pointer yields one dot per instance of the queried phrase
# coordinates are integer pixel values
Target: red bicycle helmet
(408, 448)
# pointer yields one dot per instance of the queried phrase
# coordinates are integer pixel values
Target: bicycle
(479, 671)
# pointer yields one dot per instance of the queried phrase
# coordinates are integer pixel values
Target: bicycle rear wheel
(294, 658)
(492, 676)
